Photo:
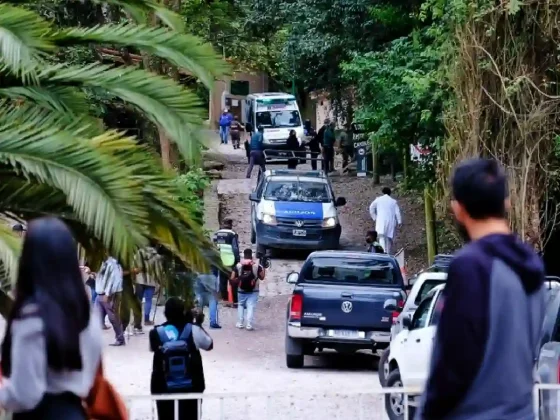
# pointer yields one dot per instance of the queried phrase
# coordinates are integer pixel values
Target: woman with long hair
(52, 348)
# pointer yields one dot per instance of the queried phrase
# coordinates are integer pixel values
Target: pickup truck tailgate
(349, 307)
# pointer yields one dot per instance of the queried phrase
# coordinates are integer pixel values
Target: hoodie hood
(520, 257)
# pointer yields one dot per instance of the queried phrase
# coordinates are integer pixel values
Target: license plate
(346, 334)
(299, 232)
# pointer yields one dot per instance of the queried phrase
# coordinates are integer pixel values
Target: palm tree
(57, 159)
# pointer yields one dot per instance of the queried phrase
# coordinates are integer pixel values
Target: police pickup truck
(340, 301)
(293, 209)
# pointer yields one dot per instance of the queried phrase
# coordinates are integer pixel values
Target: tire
(383, 369)
(394, 403)
(261, 249)
(253, 236)
(294, 361)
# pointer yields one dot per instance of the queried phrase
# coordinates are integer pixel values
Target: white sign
(419, 154)
(234, 102)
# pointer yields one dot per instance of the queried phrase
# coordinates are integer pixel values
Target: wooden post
(430, 224)
(374, 161)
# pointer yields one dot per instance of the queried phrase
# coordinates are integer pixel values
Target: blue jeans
(205, 298)
(146, 293)
(246, 301)
(93, 294)
(224, 133)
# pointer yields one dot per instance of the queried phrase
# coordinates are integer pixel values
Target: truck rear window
(327, 270)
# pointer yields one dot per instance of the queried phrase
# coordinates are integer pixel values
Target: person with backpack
(225, 123)
(235, 129)
(227, 242)
(246, 276)
(372, 244)
(177, 363)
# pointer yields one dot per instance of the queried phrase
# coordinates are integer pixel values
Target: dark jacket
(329, 137)
(256, 141)
(489, 326)
(320, 135)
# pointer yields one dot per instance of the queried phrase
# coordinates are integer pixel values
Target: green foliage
(190, 188)
(56, 158)
(401, 93)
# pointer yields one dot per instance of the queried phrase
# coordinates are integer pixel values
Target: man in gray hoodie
(492, 313)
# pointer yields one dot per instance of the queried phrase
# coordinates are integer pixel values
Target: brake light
(296, 307)
(395, 314)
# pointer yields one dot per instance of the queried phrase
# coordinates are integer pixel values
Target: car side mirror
(390, 305)
(408, 287)
(253, 197)
(407, 322)
(292, 278)
(340, 201)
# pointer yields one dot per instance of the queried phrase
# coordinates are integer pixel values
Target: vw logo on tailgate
(299, 223)
(346, 307)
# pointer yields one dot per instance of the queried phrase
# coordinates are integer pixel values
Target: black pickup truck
(340, 302)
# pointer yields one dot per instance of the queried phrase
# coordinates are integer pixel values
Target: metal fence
(546, 399)
(304, 404)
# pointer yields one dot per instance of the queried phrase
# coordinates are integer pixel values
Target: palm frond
(102, 192)
(22, 41)
(182, 50)
(165, 102)
(139, 10)
(61, 99)
(9, 252)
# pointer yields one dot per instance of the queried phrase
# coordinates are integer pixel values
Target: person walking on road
(225, 123)
(386, 214)
(492, 311)
(256, 156)
(227, 242)
(206, 291)
(148, 267)
(53, 343)
(109, 287)
(329, 140)
(235, 129)
(247, 275)
(178, 341)
(292, 144)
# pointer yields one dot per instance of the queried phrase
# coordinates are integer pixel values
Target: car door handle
(346, 295)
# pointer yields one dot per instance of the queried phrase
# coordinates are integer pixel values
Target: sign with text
(360, 138)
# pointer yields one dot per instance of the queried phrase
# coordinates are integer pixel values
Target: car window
(438, 307)
(307, 191)
(259, 188)
(420, 318)
(425, 289)
(354, 271)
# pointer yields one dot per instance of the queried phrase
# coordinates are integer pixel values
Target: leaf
(184, 51)
(22, 41)
(9, 252)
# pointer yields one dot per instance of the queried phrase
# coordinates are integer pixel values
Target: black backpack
(177, 354)
(248, 277)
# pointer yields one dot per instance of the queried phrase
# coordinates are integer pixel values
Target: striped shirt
(110, 278)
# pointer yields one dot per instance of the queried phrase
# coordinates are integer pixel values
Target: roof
(294, 172)
(271, 95)
(355, 255)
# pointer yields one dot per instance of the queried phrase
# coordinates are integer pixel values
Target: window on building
(239, 87)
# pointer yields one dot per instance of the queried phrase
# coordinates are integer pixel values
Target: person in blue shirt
(225, 123)
(206, 291)
(256, 156)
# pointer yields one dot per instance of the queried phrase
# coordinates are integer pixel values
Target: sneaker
(117, 344)
(239, 325)
(149, 323)
(138, 331)
(215, 326)
(249, 327)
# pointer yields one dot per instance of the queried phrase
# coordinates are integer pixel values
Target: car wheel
(294, 361)
(261, 249)
(383, 367)
(395, 403)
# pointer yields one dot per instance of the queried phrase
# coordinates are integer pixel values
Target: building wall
(220, 95)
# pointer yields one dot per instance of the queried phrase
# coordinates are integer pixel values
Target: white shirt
(386, 214)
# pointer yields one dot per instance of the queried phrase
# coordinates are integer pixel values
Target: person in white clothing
(386, 214)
